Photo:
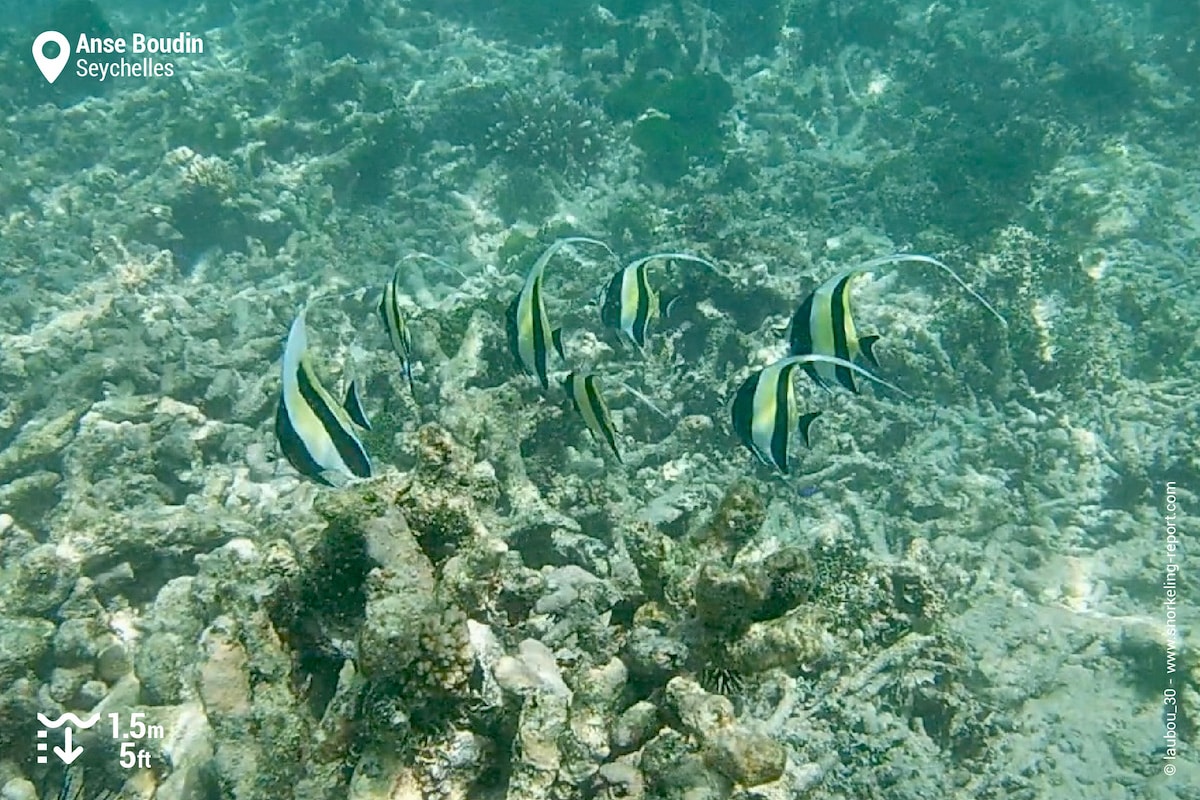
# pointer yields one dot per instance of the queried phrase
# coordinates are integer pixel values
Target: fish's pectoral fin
(867, 345)
(806, 421)
(667, 303)
(556, 339)
(353, 406)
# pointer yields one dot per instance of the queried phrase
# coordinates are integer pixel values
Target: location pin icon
(51, 67)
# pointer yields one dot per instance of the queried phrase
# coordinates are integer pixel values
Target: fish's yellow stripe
(852, 349)
(762, 426)
(591, 415)
(629, 302)
(525, 341)
(821, 331)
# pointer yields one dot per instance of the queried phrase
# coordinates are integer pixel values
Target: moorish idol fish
(765, 412)
(316, 434)
(396, 326)
(584, 391)
(630, 304)
(823, 324)
(530, 337)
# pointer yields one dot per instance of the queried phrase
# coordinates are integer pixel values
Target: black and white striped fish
(530, 337)
(823, 325)
(396, 325)
(765, 412)
(630, 304)
(584, 391)
(315, 433)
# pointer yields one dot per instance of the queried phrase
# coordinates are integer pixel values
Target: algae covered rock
(399, 597)
(619, 780)
(44, 578)
(398, 616)
(699, 712)
(23, 640)
(748, 758)
(635, 726)
(727, 600)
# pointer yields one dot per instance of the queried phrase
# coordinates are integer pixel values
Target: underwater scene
(635, 399)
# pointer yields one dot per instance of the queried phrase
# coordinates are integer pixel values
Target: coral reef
(958, 594)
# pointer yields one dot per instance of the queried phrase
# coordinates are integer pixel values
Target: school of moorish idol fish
(317, 435)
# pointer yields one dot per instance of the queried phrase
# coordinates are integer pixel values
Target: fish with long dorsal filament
(530, 337)
(765, 411)
(630, 304)
(395, 324)
(315, 433)
(823, 325)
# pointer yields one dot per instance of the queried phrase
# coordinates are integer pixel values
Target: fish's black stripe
(293, 446)
(393, 321)
(801, 342)
(512, 327)
(781, 434)
(742, 414)
(610, 311)
(600, 412)
(839, 312)
(641, 319)
(354, 407)
(541, 344)
(353, 456)
(385, 311)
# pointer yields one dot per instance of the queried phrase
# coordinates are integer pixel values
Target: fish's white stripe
(762, 427)
(629, 301)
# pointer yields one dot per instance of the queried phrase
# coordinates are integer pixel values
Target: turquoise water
(962, 573)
